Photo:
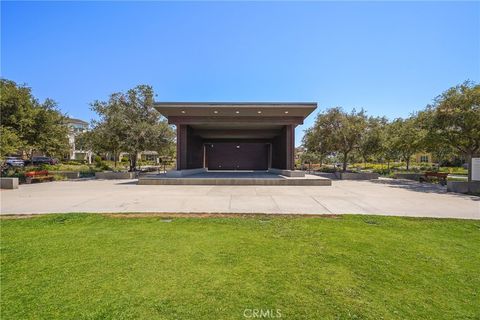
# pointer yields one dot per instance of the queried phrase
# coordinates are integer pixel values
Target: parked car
(14, 162)
(41, 160)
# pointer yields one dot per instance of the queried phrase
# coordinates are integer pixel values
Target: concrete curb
(110, 175)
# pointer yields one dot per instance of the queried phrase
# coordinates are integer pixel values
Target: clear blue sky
(389, 58)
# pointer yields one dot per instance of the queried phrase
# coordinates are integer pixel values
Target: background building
(76, 127)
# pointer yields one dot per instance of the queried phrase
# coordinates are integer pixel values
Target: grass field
(82, 266)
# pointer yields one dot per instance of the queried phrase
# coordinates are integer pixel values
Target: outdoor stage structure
(235, 136)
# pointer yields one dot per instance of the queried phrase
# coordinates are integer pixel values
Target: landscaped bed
(81, 266)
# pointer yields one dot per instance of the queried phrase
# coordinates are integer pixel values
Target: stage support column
(181, 146)
(290, 146)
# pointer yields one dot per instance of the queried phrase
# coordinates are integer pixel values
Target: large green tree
(433, 141)
(406, 136)
(51, 130)
(371, 142)
(9, 141)
(388, 151)
(316, 148)
(111, 130)
(340, 132)
(36, 126)
(129, 123)
(454, 119)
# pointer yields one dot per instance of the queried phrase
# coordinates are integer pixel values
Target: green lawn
(350, 267)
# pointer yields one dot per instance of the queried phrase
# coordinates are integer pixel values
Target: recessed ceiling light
(286, 111)
(237, 112)
(183, 111)
(259, 112)
(215, 111)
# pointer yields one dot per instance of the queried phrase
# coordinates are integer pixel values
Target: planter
(356, 175)
(462, 186)
(9, 183)
(111, 175)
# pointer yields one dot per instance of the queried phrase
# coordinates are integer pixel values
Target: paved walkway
(382, 197)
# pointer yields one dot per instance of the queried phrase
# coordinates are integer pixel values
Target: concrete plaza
(378, 197)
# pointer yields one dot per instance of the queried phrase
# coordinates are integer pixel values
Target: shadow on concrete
(421, 187)
(82, 179)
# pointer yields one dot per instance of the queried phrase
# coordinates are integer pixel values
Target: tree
(340, 132)
(388, 151)
(406, 137)
(371, 140)
(310, 157)
(434, 142)
(17, 112)
(454, 119)
(109, 132)
(51, 130)
(38, 126)
(316, 149)
(129, 123)
(84, 140)
(17, 109)
(9, 141)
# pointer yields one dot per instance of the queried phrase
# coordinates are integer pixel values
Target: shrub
(13, 172)
(100, 164)
(59, 177)
(454, 170)
(327, 169)
(382, 171)
(74, 162)
(103, 166)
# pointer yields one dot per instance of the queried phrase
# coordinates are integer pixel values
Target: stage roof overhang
(238, 112)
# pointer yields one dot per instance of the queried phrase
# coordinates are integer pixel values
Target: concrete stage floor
(379, 197)
(235, 178)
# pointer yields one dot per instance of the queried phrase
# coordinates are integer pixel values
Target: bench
(429, 176)
(38, 176)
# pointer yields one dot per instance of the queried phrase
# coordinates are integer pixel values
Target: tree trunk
(133, 161)
(408, 163)
(469, 161)
(115, 159)
(345, 160)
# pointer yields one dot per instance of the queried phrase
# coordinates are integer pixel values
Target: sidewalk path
(381, 197)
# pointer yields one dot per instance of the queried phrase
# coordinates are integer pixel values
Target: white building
(77, 126)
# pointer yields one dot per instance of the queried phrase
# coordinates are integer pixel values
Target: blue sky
(390, 58)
